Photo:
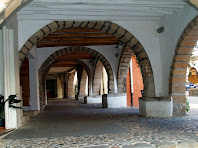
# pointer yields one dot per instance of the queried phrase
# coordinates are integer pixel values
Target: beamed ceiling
(77, 36)
(68, 61)
(74, 56)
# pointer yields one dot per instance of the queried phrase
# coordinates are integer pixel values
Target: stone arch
(83, 83)
(179, 66)
(44, 69)
(100, 57)
(108, 27)
(145, 67)
(87, 70)
(97, 78)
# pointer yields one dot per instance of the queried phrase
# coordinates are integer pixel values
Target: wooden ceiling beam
(63, 35)
(70, 57)
(40, 45)
(64, 65)
(79, 30)
(81, 39)
(78, 42)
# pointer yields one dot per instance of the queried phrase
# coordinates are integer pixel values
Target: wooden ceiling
(56, 70)
(69, 59)
(65, 64)
(74, 56)
(77, 36)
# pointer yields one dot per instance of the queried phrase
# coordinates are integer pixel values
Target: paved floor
(70, 124)
(64, 118)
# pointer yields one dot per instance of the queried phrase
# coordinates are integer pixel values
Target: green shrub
(187, 105)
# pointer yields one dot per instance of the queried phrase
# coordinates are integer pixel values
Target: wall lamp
(160, 30)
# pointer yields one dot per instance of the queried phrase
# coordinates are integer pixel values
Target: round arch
(90, 51)
(179, 66)
(44, 69)
(111, 28)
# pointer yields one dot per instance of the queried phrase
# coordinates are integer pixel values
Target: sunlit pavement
(193, 102)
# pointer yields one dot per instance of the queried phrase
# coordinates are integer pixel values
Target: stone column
(71, 90)
(59, 87)
(34, 85)
(97, 78)
(11, 78)
(156, 106)
(83, 84)
(116, 100)
(66, 84)
(79, 70)
(1, 64)
(62, 77)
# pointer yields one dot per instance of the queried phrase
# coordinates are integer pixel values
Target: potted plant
(11, 100)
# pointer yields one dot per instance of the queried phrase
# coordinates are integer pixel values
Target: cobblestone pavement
(143, 132)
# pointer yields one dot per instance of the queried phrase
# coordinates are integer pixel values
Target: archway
(179, 66)
(49, 62)
(131, 43)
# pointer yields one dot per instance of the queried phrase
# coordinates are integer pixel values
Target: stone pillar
(34, 85)
(79, 70)
(62, 85)
(114, 100)
(104, 101)
(97, 78)
(11, 78)
(156, 106)
(1, 64)
(59, 88)
(71, 89)
(66, 84)
(83, 84)
(105, 80)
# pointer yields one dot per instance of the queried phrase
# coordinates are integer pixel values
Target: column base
(31, 113)
(156, 107)
(94, 99)
(81, 98)
(85, 100)
(114, 100)
(76, 97)
(179, 110)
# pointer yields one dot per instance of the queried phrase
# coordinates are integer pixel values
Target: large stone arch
(146, 69)
(179, 66)
(100, 57)
(44, 69)
(108, 27)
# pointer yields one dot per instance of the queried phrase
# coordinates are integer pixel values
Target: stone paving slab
(143, 132)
